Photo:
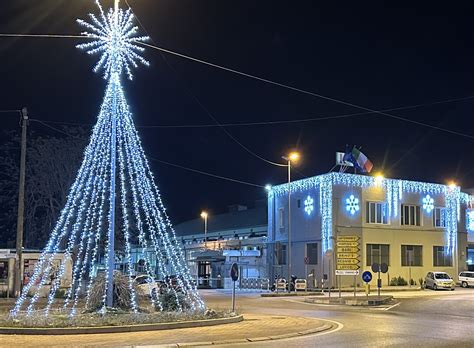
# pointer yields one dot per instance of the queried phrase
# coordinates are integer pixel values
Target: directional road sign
(347, 267)
(348, 250)
(347, 255)
(347, 244)
(347, 238)
(347, 262)
(347, 272)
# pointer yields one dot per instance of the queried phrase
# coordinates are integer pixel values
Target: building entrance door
(204, 273)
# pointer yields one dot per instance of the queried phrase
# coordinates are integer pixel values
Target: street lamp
(292, 157)
(204, 215)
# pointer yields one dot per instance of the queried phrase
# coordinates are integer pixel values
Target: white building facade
(348, 222)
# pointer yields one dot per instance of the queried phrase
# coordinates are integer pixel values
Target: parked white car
(301, 284)
(439, 280)
(147, 285)
(466, 279)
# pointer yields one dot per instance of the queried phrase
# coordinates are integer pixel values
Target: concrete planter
(118, 329)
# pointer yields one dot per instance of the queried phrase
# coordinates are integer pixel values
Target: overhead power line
(206, 173)
(282, 85)
(262, 123)
(164, 162)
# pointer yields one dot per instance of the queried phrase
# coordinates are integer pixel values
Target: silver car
(439, 280)
(466, 279)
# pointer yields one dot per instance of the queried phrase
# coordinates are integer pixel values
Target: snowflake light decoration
(114, 40)
(428, 203)
(352, 204)
(309, 205)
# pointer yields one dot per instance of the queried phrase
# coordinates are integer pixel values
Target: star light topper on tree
(89, 223)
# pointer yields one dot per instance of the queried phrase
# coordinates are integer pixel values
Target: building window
(439, 217)
(312, 253)
(281, 217)
(412, 255)
(410, 215)
(298, 203)
(378, 253)
(441, 257)
(280, 253)
(3, 271)
(376, 213)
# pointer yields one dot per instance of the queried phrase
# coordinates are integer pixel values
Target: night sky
(374, 54)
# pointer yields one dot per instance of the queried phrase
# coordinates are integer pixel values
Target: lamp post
(292, 157)
(204, 215)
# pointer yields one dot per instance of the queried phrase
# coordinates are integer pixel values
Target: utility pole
(21, 204)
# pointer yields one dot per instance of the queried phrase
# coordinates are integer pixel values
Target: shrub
(169, 300)
(421, 281)
(398, 281)
(60, 293)
(122, 294)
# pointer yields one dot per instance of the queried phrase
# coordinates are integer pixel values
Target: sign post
(234, 274)
(347, 258)
(379, 268)
(367, 277)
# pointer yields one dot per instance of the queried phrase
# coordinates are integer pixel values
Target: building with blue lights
(347, 222)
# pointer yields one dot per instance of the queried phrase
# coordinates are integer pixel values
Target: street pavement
(416, 319)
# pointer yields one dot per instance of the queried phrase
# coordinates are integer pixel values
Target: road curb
(291, 294)
(119, 329)
(322, 328)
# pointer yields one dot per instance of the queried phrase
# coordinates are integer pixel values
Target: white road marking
(393, 306)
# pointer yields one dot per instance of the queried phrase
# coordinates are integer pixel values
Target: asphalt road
(417, 319)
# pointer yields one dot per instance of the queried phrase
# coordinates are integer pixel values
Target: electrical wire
(304, 120)
(53, 128)
(304, 91)
(205, 173)
(261, 123)
(201, 105)
(10, 111)
(165, 162)
(282, 85)
(48, 36)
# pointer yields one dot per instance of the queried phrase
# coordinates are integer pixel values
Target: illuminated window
(470, 220)
(312, 253)
(376, 213)
(378, 253)
(281, 217)
(441, 257)
(3, 271)
(439, 217)
(412, 255)
(410, 215)
(352, 204)
(308, 205)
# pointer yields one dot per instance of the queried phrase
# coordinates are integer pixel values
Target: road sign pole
(339, 283)
(233, 297)
(354, 286)
(378, 285)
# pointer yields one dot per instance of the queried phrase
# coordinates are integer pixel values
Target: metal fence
(259, 284)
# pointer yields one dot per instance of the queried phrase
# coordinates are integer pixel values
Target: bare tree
(52, 164)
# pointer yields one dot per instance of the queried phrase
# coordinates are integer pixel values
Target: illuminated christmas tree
(114, 168)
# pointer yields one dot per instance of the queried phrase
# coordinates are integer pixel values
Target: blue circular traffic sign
(367, 276)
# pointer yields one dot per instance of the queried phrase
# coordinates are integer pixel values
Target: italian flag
(362, 161)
